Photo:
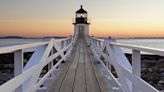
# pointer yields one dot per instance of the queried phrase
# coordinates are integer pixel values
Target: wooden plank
(81, 58)
(103, 81)
(55, 86)
(91, 82)
(59, 78)
(68, 83)
(80, 85)
(83, 75)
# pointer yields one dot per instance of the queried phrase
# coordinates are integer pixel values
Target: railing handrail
(129, 76)
(98, 39)
(152, 50)
(35, 64)
(9, 49)
(62, 39)
(140, 48)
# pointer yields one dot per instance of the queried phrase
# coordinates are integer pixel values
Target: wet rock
(161, 70)
(7, 65)
(161, 82)
(150, 62)
(161, 91)
(144, 70)
(158, 86)
(44, 71)
(152, 71)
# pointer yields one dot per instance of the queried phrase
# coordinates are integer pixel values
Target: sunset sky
(116, 18)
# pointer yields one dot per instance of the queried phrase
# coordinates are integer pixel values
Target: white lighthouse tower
(81, 25)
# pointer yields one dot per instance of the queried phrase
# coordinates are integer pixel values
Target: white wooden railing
(27, 78)
(129, 79)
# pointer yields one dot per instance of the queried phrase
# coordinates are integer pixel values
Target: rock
(149, 57)
(159, 86)
(151, 83)
(161, 65)
(148, 63)
(144, 70)
(161, 91)
(155, 69)
(161, 70)
(154, 77)
(162, 75)
(160, 60)
(44, 71)
(161, 82)
(25, 61)
(150, 69)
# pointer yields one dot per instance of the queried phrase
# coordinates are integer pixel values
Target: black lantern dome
(81, 10)
(81, 16)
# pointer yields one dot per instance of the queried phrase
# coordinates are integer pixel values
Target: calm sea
(155, 43)
(17, 41)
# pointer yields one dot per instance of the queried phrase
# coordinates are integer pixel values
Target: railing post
(136, 67)
(136, 63)
(99, 44)
(52, 64)
(18, 66)
(62, 44)
(96, 43)
(67, 42)
(109, 66)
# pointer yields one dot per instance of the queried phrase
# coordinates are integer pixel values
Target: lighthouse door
(81, 32)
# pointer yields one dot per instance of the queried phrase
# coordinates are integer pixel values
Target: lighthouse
(81, 25)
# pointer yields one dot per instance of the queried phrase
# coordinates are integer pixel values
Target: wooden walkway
(81, 74)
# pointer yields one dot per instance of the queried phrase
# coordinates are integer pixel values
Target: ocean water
(4, 42)
(155, 43)
(16, 41)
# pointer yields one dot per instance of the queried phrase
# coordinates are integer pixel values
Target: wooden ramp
(81, 73)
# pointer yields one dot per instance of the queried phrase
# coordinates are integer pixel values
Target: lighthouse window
(81, 15)
(81, 28)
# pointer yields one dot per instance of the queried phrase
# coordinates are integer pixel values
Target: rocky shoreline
(7, 65)
(152, 68)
